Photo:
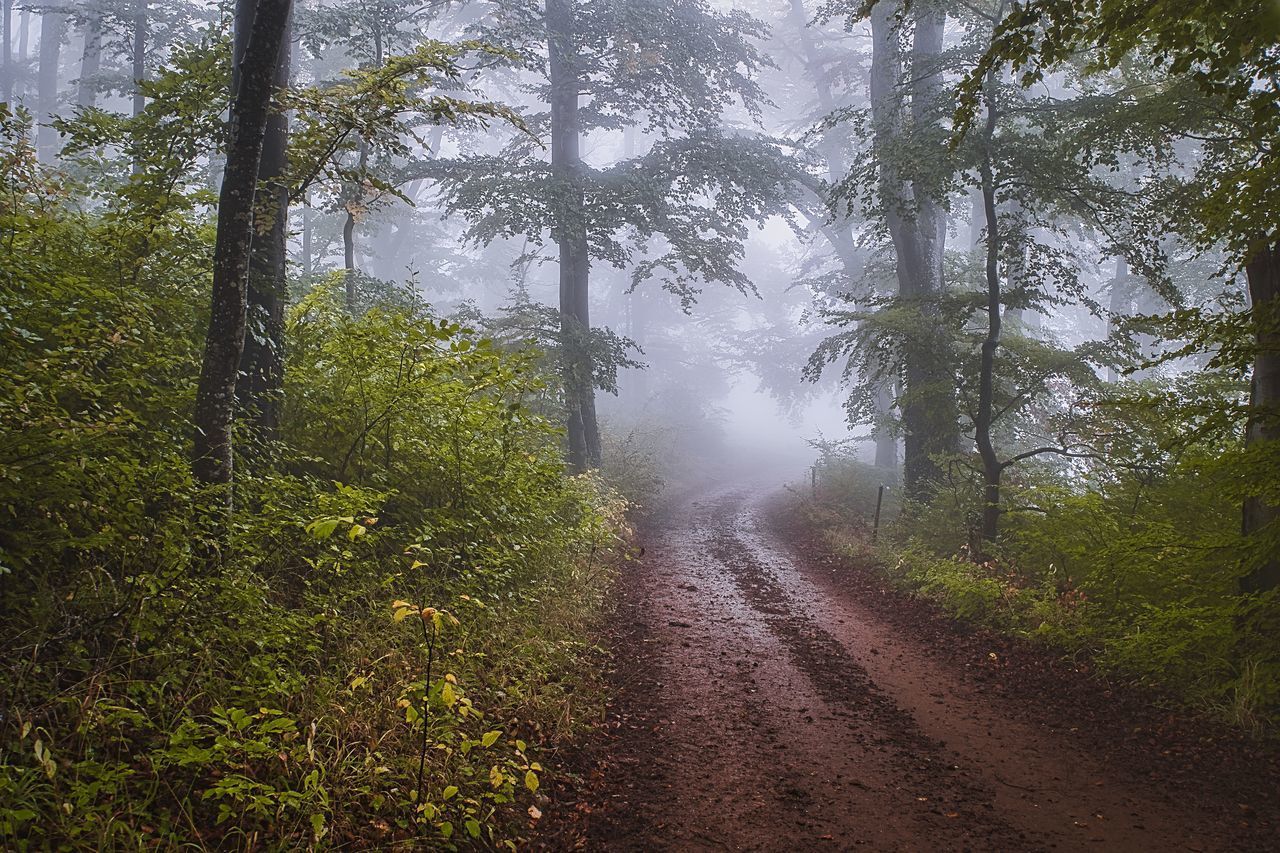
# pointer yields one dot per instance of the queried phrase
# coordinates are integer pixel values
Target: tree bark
(90, 61)
(213, 453)
(262, 363)
(1263, 272)
(917, 225)
(571, 239)
(139, 54)
(349, 258)
(307, 263)
(1120, 304)
(6, 53)
(983, 420)
(51, 27)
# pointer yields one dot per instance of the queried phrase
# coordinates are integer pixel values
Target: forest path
(761, 705)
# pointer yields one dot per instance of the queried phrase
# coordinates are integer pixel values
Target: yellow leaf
(449, 792)
(531, 781)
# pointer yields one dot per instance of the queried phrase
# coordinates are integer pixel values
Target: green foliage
(1133, 562)
(158, 693)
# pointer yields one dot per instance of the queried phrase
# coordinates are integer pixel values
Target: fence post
(875, 528)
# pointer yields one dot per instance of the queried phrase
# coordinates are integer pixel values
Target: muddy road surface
(763, 703)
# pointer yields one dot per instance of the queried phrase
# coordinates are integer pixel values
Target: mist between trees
(313, 308)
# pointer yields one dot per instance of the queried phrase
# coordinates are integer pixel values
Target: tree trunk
(6, 53)
(213, 454)
(262, 364)
(1121, 304)
(51, 27)
(917, 225)
(1263, 272)
(983, 420)
(349, 258)
(307, 263)
(886, 442)
(571, 238)
(139, 54)
(90, 61)
(20, 66)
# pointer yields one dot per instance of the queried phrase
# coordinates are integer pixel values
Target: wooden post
(875, 527)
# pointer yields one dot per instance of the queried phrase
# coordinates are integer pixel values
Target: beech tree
(265, 23)
(262, 362)
(673, 69)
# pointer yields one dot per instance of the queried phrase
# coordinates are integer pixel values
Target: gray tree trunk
(139, 54)
(917, 225)
(213, 452)
(571, 238)
(1264, 401)
(6, 53)
(90, 61)
(262, 364)
(51, 26)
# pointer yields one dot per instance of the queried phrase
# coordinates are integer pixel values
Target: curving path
(762, 706)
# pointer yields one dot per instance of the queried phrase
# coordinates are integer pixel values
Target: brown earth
(769, 696)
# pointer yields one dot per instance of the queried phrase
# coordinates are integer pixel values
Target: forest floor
(771, 696)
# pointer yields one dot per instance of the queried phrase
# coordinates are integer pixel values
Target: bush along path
(770, 695)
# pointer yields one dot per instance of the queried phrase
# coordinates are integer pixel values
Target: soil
(771, 696)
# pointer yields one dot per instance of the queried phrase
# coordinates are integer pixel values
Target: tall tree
(678, 67)
(902, 89)
(1227, 50)
(91, 56)
(6, 53)
(139, 54)
(570, 234)
(213, 453)
(52, 25)
(262, 363)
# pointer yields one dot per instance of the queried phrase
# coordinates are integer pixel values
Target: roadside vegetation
(1137, 575)
(390, 636)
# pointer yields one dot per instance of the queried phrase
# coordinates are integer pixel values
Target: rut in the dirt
(759, 707)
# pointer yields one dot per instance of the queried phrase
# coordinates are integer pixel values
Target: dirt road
(765, 704)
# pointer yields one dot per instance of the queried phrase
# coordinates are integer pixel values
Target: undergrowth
(1147, 591)
(391, 640)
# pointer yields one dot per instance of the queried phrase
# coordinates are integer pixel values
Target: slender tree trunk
(983, 421)
(1263, 272)
(349, 258)
(51, 27)
(21, 88)
(917, 225)
(1121, 303)
(262, 364)
(307, 263)
(90, 61)
(139, 54)
(213, 453)
(571, 237)
(6, 53)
